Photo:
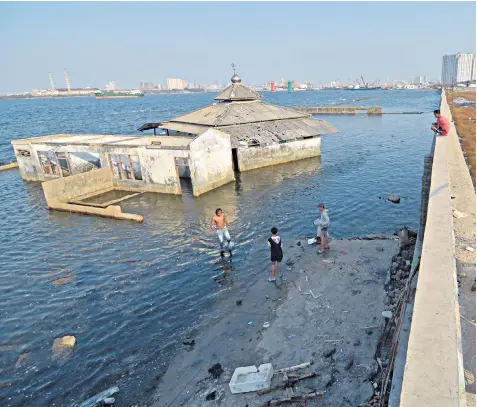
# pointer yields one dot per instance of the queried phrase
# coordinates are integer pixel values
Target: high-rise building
(176, 84)
(111, 86)
(146, 85)
(458, 68)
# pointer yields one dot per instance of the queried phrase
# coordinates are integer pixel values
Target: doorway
(235, 164)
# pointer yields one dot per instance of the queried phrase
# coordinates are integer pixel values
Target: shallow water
(131, 292)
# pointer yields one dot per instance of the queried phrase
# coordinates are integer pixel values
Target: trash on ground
(458, 214)
(266, 324)
(249, 378)
(100, 397)
(312, 241)
(295, 399)
(250, 322)
(216, 370)
(470, 249)
(387, 314)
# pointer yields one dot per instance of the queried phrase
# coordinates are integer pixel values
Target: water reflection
(138, 289)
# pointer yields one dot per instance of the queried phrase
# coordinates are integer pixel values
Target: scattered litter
(470, 249)
(458, 214)
(394, 199)
(104, 397)
(249, 378)
(349, 364)
(387, 314)
(294, 399)
(312, 241)
(293, 368)
(343, 252)
(266, 324)
(216, 370)
(329, 261)
(267, 297)
(315, 296)
(238, 302)
(211, 396)
(329, 352)
(190, 343)
(249, 322)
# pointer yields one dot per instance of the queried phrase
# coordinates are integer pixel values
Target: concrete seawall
(433, 373)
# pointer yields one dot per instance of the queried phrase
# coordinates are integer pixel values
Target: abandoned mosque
(238, 133)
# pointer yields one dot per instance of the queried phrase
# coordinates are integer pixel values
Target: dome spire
(235, 78)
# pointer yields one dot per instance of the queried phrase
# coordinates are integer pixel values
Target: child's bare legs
(273, 271)
(279, 266)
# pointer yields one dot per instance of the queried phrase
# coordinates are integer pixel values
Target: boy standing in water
(219, 224)
(276, 254)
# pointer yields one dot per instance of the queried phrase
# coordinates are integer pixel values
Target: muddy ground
(341, 316)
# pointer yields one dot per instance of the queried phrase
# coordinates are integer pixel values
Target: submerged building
(261, 134)
(208, 146)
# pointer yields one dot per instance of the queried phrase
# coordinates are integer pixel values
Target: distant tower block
(67, 82)
(52, 85)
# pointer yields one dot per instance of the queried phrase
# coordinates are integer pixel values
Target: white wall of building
(458, 68)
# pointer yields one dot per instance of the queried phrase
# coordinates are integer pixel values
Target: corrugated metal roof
(226, 114)
(237, 91)
(276, 131)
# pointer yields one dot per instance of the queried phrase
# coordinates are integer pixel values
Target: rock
(290, 262)
(212, 395)
(349, 364)
(238, 302)
(394, 199)
(357, 342)
(330, 352)
(387, 314)
(380, 249)
(64, 344)
(298, 243)
(369, 332)
(408, 263)
(216, 370)
(190, 343)
(22, 360)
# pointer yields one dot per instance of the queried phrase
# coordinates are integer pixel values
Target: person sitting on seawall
(442, 126)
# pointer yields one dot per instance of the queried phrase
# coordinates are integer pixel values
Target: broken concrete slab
(249, 378)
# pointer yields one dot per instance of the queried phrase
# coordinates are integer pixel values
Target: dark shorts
(276, 258)
(324, 230)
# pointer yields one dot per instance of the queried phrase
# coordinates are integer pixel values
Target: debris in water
(216, 370)
(394, 199)
(101, 398)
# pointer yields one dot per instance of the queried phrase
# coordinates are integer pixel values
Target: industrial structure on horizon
(68, 91)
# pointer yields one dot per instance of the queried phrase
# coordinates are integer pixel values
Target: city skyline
(317, 42)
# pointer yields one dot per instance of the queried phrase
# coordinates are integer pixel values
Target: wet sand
(342, 312)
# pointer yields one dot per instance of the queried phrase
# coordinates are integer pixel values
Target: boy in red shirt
(442, 125)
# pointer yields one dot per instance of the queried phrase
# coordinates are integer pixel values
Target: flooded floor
(131, 292)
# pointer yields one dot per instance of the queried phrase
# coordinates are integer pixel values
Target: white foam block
(249, 378)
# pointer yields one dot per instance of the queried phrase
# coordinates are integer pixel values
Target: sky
(198, 41)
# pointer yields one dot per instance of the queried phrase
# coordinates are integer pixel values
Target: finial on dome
(235, 77)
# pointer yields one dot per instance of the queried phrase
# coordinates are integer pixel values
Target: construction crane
(52, 85)
(67, 81)
(364, 83)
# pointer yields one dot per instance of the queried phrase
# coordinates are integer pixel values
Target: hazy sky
(129, 42)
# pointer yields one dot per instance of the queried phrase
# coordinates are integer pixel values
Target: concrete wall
(210, 161)
(433, 374)
(64, 189)
(60, 191)
(250, 158)
(30, 168)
